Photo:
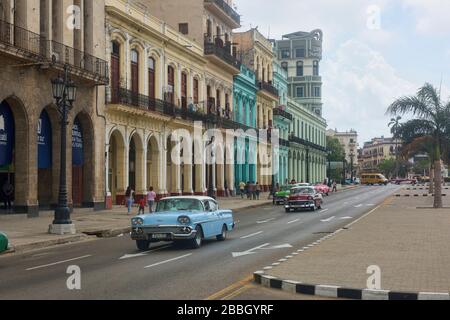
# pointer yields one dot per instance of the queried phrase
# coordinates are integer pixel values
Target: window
(171, 84)
(183, 28)
(285, 54)
(315, 68)
(151, 77)
(195, 85)
(115, 70)
(300, 92)
(134, 71)
(299, 68)
(300, 53)
(317, 92)
(284, 66)
(184, 90)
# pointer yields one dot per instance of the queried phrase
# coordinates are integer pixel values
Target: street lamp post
(344, 173)
(211, 192)
(64, 92)
(329, 165)
(352, 156)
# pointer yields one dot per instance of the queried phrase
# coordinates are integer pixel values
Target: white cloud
(432, 15)
(359, 85)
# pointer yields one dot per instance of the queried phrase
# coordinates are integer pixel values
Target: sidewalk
(410, 244)
(27, 234)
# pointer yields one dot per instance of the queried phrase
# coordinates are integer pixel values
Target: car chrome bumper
(155, 235)
(299, 206)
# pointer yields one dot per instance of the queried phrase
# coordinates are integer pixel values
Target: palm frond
(413, 105)
(429, 94)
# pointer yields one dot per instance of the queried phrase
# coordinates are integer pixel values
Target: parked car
(323, 189)
(282, 196)
(189, 219)
(3, 242)
(304, 198)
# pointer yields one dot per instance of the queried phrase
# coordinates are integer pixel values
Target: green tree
(428, 130)
(336, 150)
(388, 167)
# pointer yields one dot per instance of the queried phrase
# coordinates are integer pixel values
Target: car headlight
(184, 220)
(137, 221)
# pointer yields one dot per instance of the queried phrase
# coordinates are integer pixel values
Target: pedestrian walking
(248, 190)
(8, 192)
(334, 186)
(129, 199)
(257, 190)
(151, 198)
(141, 206)
(242, 189)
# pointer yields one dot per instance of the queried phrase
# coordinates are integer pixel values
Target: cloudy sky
(374, 51)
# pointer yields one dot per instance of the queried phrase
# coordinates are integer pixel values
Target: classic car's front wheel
(223, 235)
(143, 245)
(198, 240)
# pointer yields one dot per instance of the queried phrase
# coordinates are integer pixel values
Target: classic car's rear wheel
(223, 235)
(143, 245)
(198, 240)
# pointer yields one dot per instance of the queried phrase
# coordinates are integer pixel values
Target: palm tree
(431, 124)
(394, 124)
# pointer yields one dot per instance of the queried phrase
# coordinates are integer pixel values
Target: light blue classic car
(191, 219)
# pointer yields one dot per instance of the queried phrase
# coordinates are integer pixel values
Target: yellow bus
(373, 178)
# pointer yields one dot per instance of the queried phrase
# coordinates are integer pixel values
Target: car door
(215, 218)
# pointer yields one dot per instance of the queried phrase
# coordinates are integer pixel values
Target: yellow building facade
(161, 81)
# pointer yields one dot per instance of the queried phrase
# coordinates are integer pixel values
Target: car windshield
(179, 205)
(302, 191)
(285, 188)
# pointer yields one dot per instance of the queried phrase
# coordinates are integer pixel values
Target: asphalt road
(114, 269)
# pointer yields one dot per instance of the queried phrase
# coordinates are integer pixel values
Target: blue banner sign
(44, 141)
(6, 135)
(77, 144)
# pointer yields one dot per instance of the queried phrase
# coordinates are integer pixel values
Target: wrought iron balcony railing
(282, 113)
(284, 143)
(38, 48)
(306, 143)
(222, 53)
(267, 87)
(227, 9)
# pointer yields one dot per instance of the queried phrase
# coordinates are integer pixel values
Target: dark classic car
(304, 198)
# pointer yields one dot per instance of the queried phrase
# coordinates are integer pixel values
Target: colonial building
(376, 151)
(245, 114)
(282, 122)
(256, 52)
(299, 54)
(37, 39)
(163, 81)
(349, 141)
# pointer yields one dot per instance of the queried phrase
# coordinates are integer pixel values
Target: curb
(44, 244)
(418, 195)
(342, 292)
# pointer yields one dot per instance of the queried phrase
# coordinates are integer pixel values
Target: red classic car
(304, 198)
(323, 189)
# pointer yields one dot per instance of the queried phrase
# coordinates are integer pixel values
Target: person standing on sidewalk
(129, 199)
(141, 206)
(151, 197)
(248, 190)
(257, 190)
(242, 189)
(8, 191)
(334, 186)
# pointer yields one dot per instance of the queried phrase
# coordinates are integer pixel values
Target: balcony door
(151, 83)
(184, 91)
(135, 76)
(171, 84)
(115, 71)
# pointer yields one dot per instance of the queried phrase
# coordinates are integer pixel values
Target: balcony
(284, 143)
(224, 11)
(268, 87)
(222, 56)
(283, 114)
(317, 79)
(31, 46)
(306, 143)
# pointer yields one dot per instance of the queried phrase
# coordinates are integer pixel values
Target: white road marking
(248, 252)
(167, 261)
(293, 221)
(59, 262)
(265, 221)
(359, 206)
(252, 235)
(324, 210)
(328, 220)
(346, 218)
(142, 254)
